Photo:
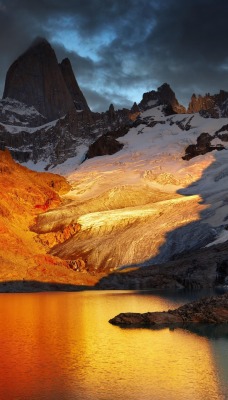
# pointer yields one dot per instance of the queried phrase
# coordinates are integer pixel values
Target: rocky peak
(214, 106)
(111, 112)
(39, 41)
(199, 103)
(36, 80)
(135, 108)
(72, 85)
(163, 96)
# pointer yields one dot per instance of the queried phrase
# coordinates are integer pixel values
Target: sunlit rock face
(23, 257)
(144, 204)
(163, 96)
(130, 236)
(214, 106)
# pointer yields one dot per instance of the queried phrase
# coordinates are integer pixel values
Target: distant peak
(65, 61)
(163, 96)
(39, 41)
(164, 86)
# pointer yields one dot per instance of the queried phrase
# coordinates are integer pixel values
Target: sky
(120, 49)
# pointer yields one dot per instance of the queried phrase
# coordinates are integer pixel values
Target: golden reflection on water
(61, 346)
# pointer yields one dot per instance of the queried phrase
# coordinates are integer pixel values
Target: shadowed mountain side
(36, 80)
(201, 268)
(26, 286)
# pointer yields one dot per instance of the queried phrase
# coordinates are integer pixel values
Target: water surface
(60, 346)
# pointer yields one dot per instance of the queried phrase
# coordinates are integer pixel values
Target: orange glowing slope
(24, 195)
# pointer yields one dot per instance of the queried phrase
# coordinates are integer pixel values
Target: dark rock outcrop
(36, 80)
(163, 96)
(202, 146)
(106, 144)
(212, 310)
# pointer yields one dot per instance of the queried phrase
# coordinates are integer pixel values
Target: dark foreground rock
(211, 310)
(202, 146)
(203, 268)
(106, 144)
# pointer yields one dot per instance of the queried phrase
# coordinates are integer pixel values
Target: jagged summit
(39, 40)
(44, 94)
(163, 96)
(72, 85)
(214, 106)
(36, 79)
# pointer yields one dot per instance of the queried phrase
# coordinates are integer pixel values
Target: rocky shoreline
(203, 268)
(209, 310)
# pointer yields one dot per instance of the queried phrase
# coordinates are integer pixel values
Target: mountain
(44, 116)
(147, 185)
(45, 119)
(214, 106)
(147, 203)
(163, 96)
(36, 80)
(144, 205)
(79, 100)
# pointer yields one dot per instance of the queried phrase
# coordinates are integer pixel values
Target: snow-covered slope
(13, 112)
(145, 203)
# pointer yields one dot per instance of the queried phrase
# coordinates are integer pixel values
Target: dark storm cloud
(125, 47)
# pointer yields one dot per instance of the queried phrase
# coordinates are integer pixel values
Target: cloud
(121, 49)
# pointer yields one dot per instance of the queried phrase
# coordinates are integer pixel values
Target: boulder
(106, 144)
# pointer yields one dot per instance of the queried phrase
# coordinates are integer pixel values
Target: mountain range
(148, 186)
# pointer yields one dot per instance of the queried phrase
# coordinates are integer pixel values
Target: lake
(60, 346)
